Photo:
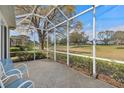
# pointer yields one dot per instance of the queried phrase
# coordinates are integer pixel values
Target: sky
(107, 18)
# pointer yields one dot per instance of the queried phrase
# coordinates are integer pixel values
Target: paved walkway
(48, 74)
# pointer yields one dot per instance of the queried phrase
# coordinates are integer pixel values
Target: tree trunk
(42, 42)
(41, 36)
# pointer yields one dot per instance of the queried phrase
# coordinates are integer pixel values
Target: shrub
(83, 63)
(78, 62)
(25, 56)
(120, 47)
(111, 69)
(61, 57)
(15, 59)
(51, 55)
(40, 55)
(12, 49)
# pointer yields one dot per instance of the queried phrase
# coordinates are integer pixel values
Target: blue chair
(9, 68)
(14, 83)
(10, 72)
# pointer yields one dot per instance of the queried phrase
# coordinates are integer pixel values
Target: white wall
(0, 38)
(4, 39)
(8, 13)
(7, 19)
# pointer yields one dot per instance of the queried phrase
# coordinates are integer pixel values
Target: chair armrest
(7, 78)
(15, 70)
(10, 76)
(24, 83)
(22, 65)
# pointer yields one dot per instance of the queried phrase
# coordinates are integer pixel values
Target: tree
(105, 36)
(63, 41)
(118, 37)
(75, 37)
(55, 16)
(79, 25)
(20, 40)
(78, 38)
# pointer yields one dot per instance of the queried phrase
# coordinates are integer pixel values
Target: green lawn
(104, 51)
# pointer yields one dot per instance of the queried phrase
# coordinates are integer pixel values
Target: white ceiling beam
(57, 25)
(62, 13)
(39, 15)
(54, 25)
(23, 15)
(81, 13)
(32, 14)
(50, 11)
(23, 19)
(40, 28)
(27, 15)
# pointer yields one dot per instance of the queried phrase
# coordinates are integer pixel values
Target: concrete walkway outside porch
(48, 74)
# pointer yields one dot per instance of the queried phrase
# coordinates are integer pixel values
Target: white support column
(54, 45)
(94, 42)
(34, 45)
(0, 41)
(7, 42)
(47, 45)
(67, 43)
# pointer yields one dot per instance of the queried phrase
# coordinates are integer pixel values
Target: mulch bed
(110, 80)
(99, 76)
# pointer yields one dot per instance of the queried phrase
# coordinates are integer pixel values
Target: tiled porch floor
(48, 74)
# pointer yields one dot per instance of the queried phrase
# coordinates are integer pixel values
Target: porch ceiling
(8, 14)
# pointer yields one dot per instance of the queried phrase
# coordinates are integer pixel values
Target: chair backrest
(7, 61)
(2, 71)
(1, 74)
(7, 64)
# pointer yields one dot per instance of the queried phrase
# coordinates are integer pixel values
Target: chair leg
(28, 73)
(21, 75)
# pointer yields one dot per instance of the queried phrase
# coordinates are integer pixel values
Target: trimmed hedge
(51, 55)
(12, 49)
(80, 62)
(25, 56)
(61, 57)
(111, 69)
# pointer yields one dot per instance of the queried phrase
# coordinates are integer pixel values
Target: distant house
(20, 40)
(89, 42)
(119, 42)
(99, 42)
(111, 42)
